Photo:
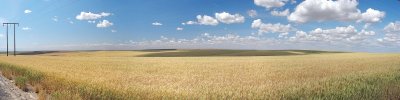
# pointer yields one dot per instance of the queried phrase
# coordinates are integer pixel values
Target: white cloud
(156, 24)
(26, 28)
(223, 17)
(361, 36)
(227, 18)
(105, 14)
(280, 13)
(371, 16)
(27, 11)
(104, 24)
(93, 21)
(366, 25)
(70, 21)
(230, 41)
(114, 31)
(206, 20)
(330, 10)
(233, 41)
(392, 33)
(189, 23)
(270, 3)
(271, 28)
(393, 27)
(179, 28)
(347, 34)
(283, 35)
(204, 40)
(325, 10)
(203, 20)
(55, 18)
(91, 16)
(252, 13)
(293, 1)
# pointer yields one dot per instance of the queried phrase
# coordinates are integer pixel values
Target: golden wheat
(273, 77)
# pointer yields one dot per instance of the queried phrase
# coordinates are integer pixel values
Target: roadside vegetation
(160, 75)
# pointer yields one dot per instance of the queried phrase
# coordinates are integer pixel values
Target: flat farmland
(200, 74)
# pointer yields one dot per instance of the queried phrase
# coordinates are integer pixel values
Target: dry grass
(319, 76)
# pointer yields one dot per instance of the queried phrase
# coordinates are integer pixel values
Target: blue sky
(348, 25)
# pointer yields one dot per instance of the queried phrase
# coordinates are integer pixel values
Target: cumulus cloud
(392, 33)
(333, 10)
(91, 16)
(223, 17)
(104, 24)
(228, 18)
(228, 41)
(179, 28)
(232, 41)
(372, 16)
(270, 3)
(347, 34)
(203, 20)
(156, 24)
(271, 28)
(27, 11)
(393, 27)
(280, 13)
(204, 40)
(206, 20)
(323, 10)
(252, 13)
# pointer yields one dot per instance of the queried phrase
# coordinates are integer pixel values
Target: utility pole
(7, 24)
(7, 38)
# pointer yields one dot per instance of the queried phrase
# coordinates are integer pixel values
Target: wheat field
(130, 75)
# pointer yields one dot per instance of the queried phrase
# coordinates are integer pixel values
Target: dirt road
(8, 91)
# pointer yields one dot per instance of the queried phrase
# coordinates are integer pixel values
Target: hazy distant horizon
(343, 25)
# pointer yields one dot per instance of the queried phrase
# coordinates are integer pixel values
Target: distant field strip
(208, 53)
(123, 75)
(178, 53)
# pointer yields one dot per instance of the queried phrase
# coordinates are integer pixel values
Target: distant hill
(176, 53)
(205, 53)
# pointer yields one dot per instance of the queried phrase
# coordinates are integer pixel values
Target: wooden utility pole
(7, 24)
